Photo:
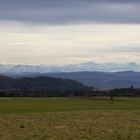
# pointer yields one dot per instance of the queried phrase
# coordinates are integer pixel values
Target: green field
(69, 119)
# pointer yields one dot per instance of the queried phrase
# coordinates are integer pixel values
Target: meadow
(70, 118)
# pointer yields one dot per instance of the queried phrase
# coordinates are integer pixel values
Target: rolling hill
(41, 86)
(123, 79)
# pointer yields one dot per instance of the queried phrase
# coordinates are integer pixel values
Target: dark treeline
(55, 87)
(67, 92)
(126, 92)
(42, 93)
(41, 87)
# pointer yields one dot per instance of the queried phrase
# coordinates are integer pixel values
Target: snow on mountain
(90, 66)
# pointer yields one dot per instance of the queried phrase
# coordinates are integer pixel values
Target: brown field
(63, 119)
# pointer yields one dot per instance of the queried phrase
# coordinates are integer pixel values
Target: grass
(19, 105)
(69, 119)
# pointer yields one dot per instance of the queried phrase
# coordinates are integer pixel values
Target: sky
(58, 32)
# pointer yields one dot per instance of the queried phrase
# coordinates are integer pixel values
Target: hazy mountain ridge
(123, 79)
(90, 66)
(96, 79)
(105, 75)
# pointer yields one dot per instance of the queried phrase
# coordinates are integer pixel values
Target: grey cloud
(122, 50)
(70, 11)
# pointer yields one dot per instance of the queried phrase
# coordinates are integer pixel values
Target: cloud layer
(70, 11)
(91, 30)
(69, 44)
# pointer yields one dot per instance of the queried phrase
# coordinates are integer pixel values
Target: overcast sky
(69, 31)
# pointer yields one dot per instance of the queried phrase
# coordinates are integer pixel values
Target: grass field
(69, 119)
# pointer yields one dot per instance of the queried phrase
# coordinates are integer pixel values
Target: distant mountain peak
(88, 66)
(132, 63)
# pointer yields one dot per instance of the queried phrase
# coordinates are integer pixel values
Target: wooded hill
(41, 87)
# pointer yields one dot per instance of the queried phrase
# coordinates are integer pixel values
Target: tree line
(66, 92)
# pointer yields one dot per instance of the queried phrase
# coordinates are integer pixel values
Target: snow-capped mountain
(90, 66)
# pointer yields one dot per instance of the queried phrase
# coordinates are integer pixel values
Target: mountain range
(103, 80)
(90, 66)
(103, 75)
